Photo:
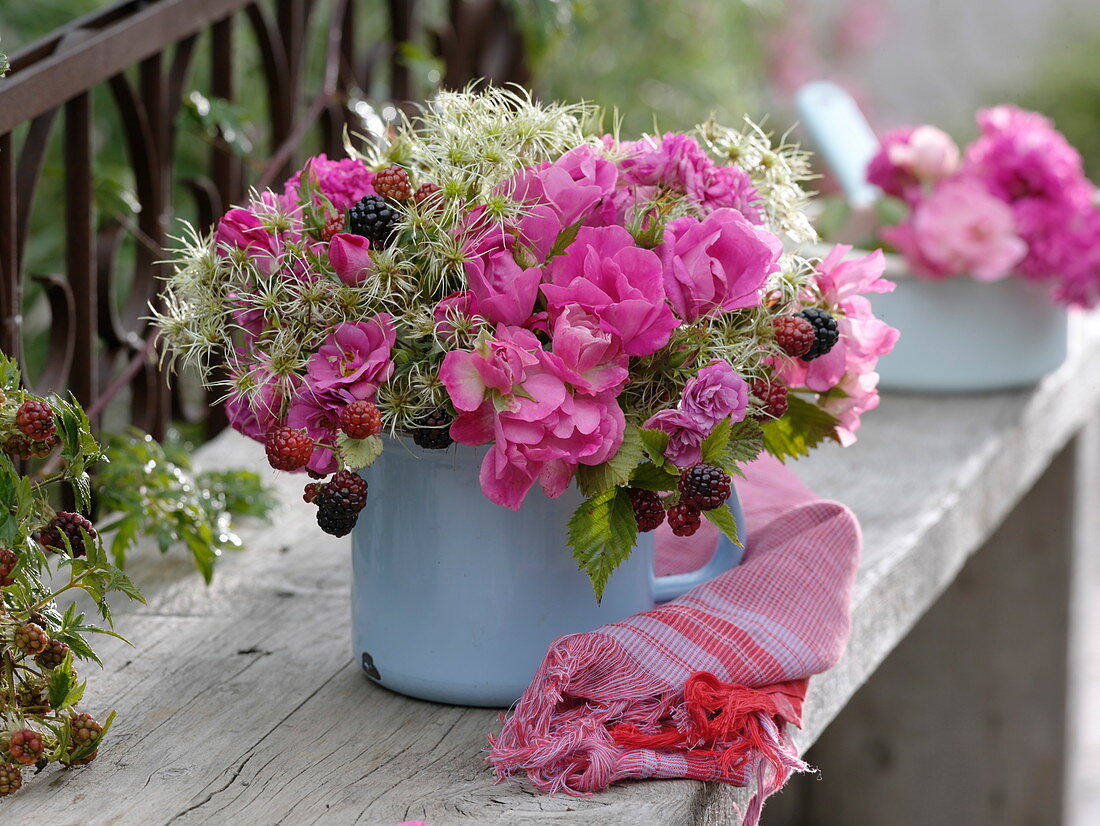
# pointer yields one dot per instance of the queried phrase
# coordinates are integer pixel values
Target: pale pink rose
(356, 358)
(714, 394)
(960, 229)
(604, 273)
(350, 258)
(496, 367)
(859, 393)
(928, 155)
(686, 434)
(716, 265)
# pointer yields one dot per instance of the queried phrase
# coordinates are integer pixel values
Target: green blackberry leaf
(616, 470)
(654, 443)
(648, 476)
(716, 443)
(804, 426)
(723, 519)
(602, 532)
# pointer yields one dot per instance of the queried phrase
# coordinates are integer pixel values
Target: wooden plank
(240, 704)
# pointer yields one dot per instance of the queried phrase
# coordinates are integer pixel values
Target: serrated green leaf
(616, 470)
(74, 696)
(716, 443)
(61, 682)
(359, 453)
(723, 519)
(654, 443)
(602, 533)
(648, 476)
(803, 427)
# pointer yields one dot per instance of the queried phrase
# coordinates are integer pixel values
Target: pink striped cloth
(703, 687)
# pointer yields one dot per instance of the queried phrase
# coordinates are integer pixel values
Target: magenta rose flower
(590, 358)
(244, 230)
(573, 185)
(618, 283)
(343, 182)
(355, 358)
(910, 157)
(717, 264)
(714, 394)
(256, 412)
(350, 258)
(959, 229)
(505, 289)
(731, 186)
(317, 412)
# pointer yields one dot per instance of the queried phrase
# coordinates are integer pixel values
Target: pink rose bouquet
(598, 312)
(1016, 202)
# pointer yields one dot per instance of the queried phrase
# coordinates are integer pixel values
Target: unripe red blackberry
(53, 654)
(393, 183)
(81, 761)
(649, 511)
(10, 779)
(433, 430)
(361, 419)
(25, 746)
(21, 447)
(826, 332)
(339, 502)
(33, 696)
(35, 420)
(428, 197)
(8, 560)
(772, 395)
(30, 638)
(684, 519)
(309, 493)
(83, 730)
(794, 335)
(332, 227)
(704, 487)
(287, 448)
(70, 526)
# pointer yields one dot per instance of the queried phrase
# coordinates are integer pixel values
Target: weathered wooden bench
(241, 704)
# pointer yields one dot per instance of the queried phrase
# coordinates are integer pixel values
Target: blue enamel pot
(959, 335)
(455, 599)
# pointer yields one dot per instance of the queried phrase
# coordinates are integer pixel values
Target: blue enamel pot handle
(727, 555)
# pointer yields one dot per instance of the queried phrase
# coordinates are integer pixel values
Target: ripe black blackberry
(35, 420)
(794, 334)
(684, 519)
(361, 419)
(825, 332)
(339, 501)
(69, 525)
(393, 182)
(649, 511)
(432, 430)
(52, 655)
(8, 560)
(374, 218)
(773, 396)
(10, 779)
(704, 487)
(287, 448)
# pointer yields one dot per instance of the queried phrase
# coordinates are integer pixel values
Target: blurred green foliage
(669, 62)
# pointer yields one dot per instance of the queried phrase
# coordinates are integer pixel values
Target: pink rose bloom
(350, 258)
(960, 229)
(717, 264)
(590, 358)
(510, 392)
(572, 186)
(686, 434)
(910, 157)
(609, 278)
(506, 290)
(1021, 156)
(860, 394)
(317, 412)
(714, 394)
(244, 230)
(343, 182)
(355, 358)
(731, 186)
